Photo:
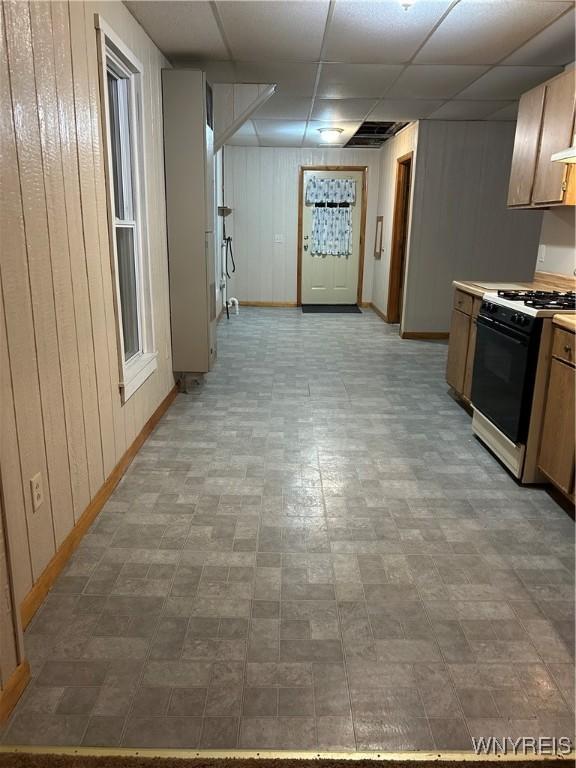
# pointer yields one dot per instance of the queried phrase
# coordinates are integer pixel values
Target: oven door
(503, 377)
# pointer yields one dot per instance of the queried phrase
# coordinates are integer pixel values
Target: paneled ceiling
(340, 62)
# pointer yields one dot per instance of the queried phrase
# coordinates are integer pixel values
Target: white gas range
(513, 346)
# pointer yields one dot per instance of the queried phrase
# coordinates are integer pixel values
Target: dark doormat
(331, 309)
(37, 760)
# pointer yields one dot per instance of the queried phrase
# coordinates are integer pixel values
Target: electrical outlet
(279, 238)
(37, 491)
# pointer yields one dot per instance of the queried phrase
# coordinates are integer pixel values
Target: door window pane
(127, 280)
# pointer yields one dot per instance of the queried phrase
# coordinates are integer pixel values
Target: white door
(330, 279)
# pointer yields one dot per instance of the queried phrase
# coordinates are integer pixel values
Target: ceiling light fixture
(406, 4)
(330, 135)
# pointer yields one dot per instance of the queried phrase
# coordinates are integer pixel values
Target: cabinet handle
(567, 349)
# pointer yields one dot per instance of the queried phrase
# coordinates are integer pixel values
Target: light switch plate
(37, 491)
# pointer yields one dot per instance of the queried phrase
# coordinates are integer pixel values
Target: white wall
(262, 189)
(405, 141)
(461, 227)
(557, 250)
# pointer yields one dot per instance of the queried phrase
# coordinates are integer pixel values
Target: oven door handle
(502, 330)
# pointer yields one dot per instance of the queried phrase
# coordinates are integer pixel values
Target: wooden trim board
(400, 230)
(274, 304)
(437, 758)
(364, 169)
(35, 597)
(423, 335)
(381, 315)
(14, 688)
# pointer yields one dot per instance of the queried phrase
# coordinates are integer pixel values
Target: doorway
(330, 272)
(400, 227)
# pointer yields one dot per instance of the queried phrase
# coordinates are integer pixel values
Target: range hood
(566, 155)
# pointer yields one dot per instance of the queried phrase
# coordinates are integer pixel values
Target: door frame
(356, 168)
(400, 217)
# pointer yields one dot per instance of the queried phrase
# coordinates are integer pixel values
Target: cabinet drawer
(463, 302)
(564, 346)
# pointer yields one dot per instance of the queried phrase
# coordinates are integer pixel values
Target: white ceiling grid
(341, 62)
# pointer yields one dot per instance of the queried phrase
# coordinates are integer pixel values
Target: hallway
(310, 552)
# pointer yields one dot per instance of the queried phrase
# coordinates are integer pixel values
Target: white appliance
(189, 170)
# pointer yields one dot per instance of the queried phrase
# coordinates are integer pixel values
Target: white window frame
(112, 52)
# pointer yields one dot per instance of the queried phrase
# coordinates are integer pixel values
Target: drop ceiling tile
(507, 82)
(433, 81)
(292, 79)
(404, 109)
(217, 72)
(506, 113)
(342, 109)
(467, 110)
(348, 81)
(280, 106)
(180, 28)
(485, 31)
(313, 136)
(286, 133)
(553, 46)
(286, 31)
(380, 32)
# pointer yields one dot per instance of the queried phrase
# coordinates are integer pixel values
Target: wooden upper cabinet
(557, 130)
(545, 125)
(526, 143)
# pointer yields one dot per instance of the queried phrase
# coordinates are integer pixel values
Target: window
(122, 129)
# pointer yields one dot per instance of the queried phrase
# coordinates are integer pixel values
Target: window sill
(136, 372)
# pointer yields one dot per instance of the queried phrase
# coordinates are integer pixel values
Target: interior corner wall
(61, 411)
(404, 142)
(461, 227)
(261, 186)
(557, 249)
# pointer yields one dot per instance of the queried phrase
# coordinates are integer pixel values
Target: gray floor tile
(162, 732)
(311, 536)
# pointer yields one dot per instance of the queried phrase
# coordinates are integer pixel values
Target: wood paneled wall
(10, 632)
(262, 189)
(461, 227)
(61, 411)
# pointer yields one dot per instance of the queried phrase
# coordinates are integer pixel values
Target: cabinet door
(458, 350)
(556, 458)
(526, 144)
(467, 391)
(557, 128)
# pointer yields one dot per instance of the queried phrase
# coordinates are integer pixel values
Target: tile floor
(310, 552)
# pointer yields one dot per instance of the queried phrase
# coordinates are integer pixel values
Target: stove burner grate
(542, 299)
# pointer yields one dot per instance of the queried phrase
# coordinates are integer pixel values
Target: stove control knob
(515, 318)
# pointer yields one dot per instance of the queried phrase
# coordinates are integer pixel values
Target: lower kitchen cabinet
(462, 344)
(458, 350)
(558, 445)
